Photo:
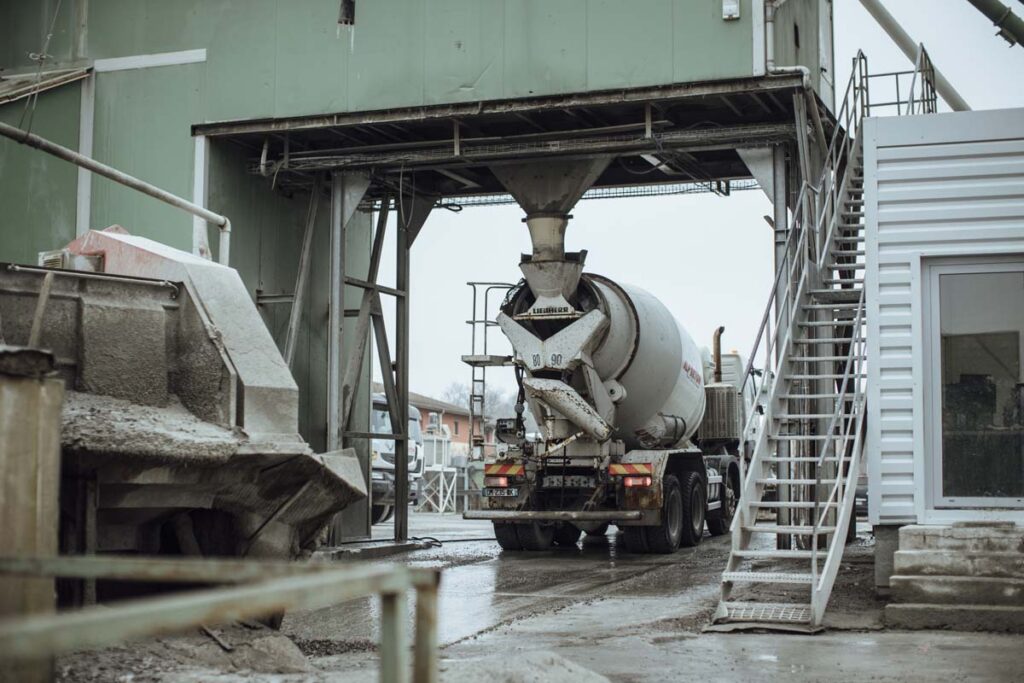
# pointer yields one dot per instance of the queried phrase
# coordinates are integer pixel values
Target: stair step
(788, 529)
(849, 252)
(853, 202)
(811, 359)
(790, 505)
(831, 375)
(776, 554)
(844, 322)
(767, 577)
(844, 280)
(795, 459)
(768, 612)
(793, 482)
(835, 397)
(838, 305)
(823, 340)
(851, 238)
(836, 295)
(811, 416)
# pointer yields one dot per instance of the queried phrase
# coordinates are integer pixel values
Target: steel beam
(473, 110)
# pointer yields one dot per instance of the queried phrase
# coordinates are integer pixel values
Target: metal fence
(258, 589)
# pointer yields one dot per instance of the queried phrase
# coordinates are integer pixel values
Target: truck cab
(382, 475)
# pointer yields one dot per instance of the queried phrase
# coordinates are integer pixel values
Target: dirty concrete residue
(530, 667)
(101, 425)
(190, 657)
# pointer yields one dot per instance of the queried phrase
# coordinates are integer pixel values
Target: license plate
(569, 481)
(501, 493)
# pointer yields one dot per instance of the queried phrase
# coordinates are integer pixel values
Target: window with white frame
(974, 372)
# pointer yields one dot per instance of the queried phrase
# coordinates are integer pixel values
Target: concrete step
(987, 538)
(957, 590)
(1005, 565)
(956, 617)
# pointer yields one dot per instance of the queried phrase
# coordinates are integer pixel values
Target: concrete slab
(958, 590)
(959, 618)
(958, 563)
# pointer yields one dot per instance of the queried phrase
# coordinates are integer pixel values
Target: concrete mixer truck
(641, 427)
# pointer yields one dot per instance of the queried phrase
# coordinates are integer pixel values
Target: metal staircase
(807, 428)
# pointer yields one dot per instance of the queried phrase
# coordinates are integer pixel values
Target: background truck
(640, 427)
(382, 474)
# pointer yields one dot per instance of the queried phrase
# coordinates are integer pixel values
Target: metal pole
(425, 662)
(394, 653)
(336, 313)
(909, 48)
(299, 292)
(61, 152)
(781, 219)
(1010, 26)
(402, 379)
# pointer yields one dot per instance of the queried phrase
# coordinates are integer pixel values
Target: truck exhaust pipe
(717, 351)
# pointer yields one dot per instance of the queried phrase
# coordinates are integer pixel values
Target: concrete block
(124, 353)
(978, 539)
(958, 590)
(886, 543)
(955, 617)
(958, 563)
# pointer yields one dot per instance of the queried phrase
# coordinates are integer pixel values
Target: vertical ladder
(808, 423)
(480, 322)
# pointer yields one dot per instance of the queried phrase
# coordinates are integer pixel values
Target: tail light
(630, 482)
(498, 482)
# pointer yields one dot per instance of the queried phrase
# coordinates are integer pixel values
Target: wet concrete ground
(639, 618)
(517, 617)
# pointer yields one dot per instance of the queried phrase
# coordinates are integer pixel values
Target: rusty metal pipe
(111, 173)
(717, 350)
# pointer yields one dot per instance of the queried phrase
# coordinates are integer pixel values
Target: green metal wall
(289, 57)
(37, 191)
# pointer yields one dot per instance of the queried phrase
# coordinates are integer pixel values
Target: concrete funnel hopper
(547, 191)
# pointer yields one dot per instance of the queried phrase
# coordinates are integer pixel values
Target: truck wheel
(634, 539)
(666, 537)
(720, 520)
(379, 513)
(599, 532)
(567, 535)
(505, 534)
(694, 509)
(534, 536)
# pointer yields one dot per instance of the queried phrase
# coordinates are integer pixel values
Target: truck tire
(599, 532)
(667, 536)
(379, 513)
(505, 534)
(534, 536)
(694, 509)
(567, 535)
(720, 520)
(634, 539)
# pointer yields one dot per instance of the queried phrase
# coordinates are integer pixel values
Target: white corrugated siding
(937, 185)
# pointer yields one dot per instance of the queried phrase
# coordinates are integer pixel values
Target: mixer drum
(648, 353)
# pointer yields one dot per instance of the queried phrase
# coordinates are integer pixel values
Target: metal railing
(846, 448)
(920, 97)
(260, 589)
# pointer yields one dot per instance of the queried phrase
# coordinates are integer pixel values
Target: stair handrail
(853, 420)
(851, 112)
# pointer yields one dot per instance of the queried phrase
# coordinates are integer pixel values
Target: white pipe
(909, 47)
(769, 47)
(61, 152)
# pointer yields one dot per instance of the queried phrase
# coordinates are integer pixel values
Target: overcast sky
(708, 258)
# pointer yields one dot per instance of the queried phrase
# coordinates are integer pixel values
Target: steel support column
(783, 315)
